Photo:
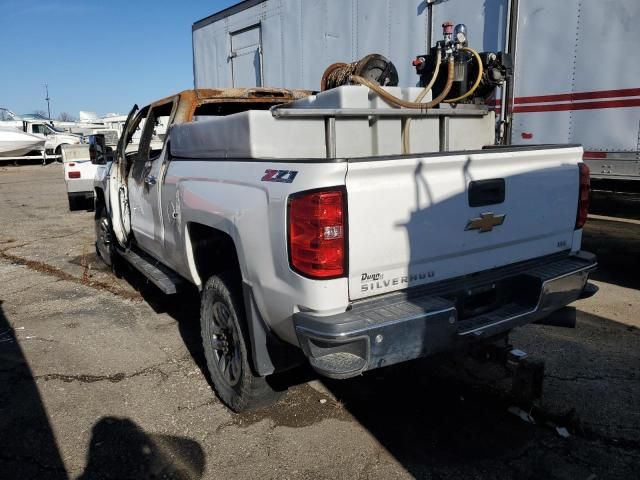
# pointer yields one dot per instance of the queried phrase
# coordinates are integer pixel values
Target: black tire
(226, 348)
(58, 151)
(105, 239)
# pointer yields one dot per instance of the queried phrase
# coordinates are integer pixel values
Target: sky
(98, 56)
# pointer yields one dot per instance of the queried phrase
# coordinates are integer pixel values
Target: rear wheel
(226, 348)
(105, 238)
(58, 151)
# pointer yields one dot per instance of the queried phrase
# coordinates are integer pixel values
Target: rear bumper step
(400, 327)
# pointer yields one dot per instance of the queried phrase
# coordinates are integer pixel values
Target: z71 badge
(282, 176)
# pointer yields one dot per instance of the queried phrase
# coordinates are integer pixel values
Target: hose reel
(375, 68)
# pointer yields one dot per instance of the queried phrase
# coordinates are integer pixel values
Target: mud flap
(269, 354)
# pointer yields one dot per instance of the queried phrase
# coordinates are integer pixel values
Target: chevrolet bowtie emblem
(485, 222)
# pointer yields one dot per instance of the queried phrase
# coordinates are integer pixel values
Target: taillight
(317, 233)
(74, 174)
(583, 198)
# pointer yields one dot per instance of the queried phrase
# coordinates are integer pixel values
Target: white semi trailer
(576, 62)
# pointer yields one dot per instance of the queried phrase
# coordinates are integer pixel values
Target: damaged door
(246, 57)
(146, 177)
(118, 197)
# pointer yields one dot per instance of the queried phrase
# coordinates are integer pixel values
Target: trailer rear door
(246, 57)
(578, 74)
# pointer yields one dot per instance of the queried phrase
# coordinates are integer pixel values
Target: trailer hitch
(527, 373)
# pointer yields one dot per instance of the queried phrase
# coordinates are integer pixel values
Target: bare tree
(66, 117)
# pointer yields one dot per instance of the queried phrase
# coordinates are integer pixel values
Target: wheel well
(213, 251)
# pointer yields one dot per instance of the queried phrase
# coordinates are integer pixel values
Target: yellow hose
(404, 103)
(407, 123)
(478, 79)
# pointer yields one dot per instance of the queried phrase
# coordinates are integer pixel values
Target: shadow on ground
(118, 448)
(617, 245)
(624, 204)
(426, 422)
(441, 419)
(28, 447)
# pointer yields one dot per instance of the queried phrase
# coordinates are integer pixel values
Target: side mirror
(97, 149)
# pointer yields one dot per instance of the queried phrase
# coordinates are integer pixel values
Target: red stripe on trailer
(561, 107)
(569, 97)
(595, 155)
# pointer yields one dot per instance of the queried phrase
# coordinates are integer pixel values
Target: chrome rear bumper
(403, 326)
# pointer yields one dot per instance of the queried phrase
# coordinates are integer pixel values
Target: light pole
(46, 87)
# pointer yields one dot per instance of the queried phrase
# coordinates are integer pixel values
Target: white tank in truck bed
(258, 134)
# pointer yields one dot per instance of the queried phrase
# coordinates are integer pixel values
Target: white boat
(14, 143)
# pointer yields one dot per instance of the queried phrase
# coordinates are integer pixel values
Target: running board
(157, 273)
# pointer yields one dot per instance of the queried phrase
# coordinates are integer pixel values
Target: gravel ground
(104, 378)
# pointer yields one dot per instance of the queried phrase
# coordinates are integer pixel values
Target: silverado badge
(485, 222)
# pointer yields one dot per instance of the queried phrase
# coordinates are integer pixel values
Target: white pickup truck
(82, 164)
(79, 175)
(54, 137)
(350, 262)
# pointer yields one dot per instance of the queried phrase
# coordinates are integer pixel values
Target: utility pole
(46, 87)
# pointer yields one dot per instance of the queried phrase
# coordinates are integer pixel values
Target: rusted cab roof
(189, 100)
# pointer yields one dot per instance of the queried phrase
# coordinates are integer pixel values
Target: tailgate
(414, 221)
(80, 175)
